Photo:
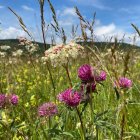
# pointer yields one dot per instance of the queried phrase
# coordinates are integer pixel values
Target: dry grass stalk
(23, 26)
(41, 3)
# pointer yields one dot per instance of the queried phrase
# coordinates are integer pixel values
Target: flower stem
(82, 126)
(92, 114)
(78, 112)
(51, 77)
(67, 71)
(123, 120)
(122, 126)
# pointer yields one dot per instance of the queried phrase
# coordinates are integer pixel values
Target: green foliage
(30, 80)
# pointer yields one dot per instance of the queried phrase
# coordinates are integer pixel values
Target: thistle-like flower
(101, 76)
(47, 110)
(13, 99)
(124, 82)
(70, 97)
(85, 73)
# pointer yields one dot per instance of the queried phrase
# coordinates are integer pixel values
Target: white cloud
(105, 29)
(68, 11)
(106, 32)
(11, 33)
(102, 33)
(67, 22)
(27, 8)
(67, 17)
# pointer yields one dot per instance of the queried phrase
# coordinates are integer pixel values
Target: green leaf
(132, 134)
(101, 114)
(68, 134)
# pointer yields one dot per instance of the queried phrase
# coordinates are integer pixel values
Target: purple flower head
(90, 87)
(124, 82)
(70, 97)
(14, 99)
(47, 109)
(101, 76)
(85, 73)
(2, 100)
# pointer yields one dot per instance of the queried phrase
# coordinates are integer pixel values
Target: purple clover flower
(70, 98)
(101, 76)
(124, 82)
(90, 87)
(85, 73)
(14, 99)
(47, 109)
(2, 100)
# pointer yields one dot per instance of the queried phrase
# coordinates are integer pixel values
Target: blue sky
(113, 17)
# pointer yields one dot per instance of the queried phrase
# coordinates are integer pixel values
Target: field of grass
(81, 90)
(112, 112)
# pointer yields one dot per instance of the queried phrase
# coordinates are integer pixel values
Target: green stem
(97, 133)
(51, 77)
(82, 126)
(122, 126)
(49, 119)
(67, 71)
(92, 113)
(123, 119)
(78, 112)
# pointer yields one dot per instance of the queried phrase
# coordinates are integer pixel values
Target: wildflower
(89, 87)
(2, 100)
(124, 82)
(85, 73)
(33, 100)
(47, 109)
(62, 54)
(101, 76)
(17, 53)
(12, 99)
(43, 59)
(5, 48)
(70, 97)
(3, 54)
(29, 45)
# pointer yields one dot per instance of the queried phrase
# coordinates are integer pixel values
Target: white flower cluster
(17, 53)
(29, 45)
(5, 48)
(3, 54)
(13, 60)
(62, 54)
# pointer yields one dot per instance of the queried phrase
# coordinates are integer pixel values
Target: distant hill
(106, 45)
(13, 43)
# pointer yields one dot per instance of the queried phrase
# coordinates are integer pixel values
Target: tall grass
(111, 113)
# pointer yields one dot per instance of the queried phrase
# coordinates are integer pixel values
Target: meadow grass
(31, 82)
(108, 113)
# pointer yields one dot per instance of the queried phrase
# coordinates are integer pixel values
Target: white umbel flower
(5, 48)
(61, 54)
